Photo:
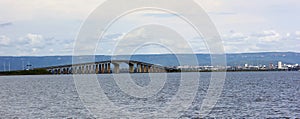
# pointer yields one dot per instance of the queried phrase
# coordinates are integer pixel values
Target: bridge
(105, 67)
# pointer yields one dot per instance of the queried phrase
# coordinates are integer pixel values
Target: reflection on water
(245, 94)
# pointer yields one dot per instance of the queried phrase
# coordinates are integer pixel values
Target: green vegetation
(27, 72)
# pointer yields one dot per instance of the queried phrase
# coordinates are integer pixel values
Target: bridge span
(106, 67)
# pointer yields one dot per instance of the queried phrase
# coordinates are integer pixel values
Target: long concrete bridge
(105, 67)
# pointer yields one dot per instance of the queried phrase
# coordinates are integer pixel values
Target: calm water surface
(245, 94)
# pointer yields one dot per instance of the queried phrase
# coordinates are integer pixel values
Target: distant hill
(19, 63)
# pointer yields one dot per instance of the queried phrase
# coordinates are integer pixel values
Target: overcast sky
(49, 27)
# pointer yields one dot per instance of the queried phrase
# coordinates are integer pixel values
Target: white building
(279, 65)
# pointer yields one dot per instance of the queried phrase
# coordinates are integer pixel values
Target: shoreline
(45, 72)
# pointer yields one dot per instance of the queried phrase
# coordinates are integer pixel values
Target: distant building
(279, 65)
(28, 67)
(271, 66)
(246, 65)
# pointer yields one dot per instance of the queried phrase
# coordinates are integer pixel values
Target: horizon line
(142, 54)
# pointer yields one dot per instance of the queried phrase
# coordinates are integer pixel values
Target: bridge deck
(105, 67)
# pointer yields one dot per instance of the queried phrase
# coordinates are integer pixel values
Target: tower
(279, 65)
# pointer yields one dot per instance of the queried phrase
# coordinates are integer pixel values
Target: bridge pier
(105, 68)
(59, 71)
(148, 68)
(81, 69)
(139, 68)
(70, 70)
(92, 70)
(116, 68)
(145, 68)
(74, 70)
(108, 68)
(77, 69)
(102, 68)
(89, 69)
(97, 69)
(152, 69)
(64, 70)
(131, 67)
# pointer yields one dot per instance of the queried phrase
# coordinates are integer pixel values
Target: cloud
(269, 36)
(136, 42)
(234, 42)
(35, 45)
(236, 36)
(147, 40)
(264, 41)
(35, 40)
(4, 40)
(17, 10)
(30, 44)
(297, 33)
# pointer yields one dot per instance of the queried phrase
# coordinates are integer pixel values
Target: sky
(47, 28)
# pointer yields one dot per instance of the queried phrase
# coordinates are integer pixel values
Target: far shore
(45, 72)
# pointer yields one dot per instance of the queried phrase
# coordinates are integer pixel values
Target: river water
(245, 95)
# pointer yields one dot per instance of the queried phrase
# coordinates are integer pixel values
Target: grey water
(244, 95)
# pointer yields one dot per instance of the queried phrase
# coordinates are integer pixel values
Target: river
(244, 95)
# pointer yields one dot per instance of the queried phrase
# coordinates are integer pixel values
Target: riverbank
(26, 72)
(45, 72)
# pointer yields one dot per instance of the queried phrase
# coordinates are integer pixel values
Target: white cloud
(51, 50)
(265, 41)
(35, 45)
(149, 39)
(35, 40)
(15, 10)
(288, 34)
(269, 36)
(234, 42)
(238, 36)
(297, 33)
(4, 40)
